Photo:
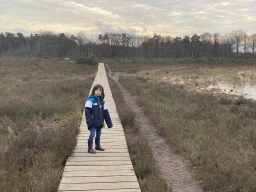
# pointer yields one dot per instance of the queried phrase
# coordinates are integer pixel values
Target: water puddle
(238, 85)
(239, 82)
(247, 90)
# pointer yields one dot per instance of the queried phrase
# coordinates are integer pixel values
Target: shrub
(117, 59)
(60, 59)
(16, 108)
(225, 101)
(135, 60)
(66, 89)
(86, 60)
(6, 125)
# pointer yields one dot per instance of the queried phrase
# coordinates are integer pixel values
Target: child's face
(98, 92)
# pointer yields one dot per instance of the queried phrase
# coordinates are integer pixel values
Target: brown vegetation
(214, 134)
(145, 168)
(41, 107)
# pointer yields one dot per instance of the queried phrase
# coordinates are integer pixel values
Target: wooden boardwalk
(109, 170)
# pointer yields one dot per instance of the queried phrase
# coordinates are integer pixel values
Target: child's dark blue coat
(96, 112)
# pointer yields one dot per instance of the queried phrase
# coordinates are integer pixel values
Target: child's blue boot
(97, 144)
(90, 149)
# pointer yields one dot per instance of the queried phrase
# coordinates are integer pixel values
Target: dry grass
(192, 74)
(148, 175)
(214, 134)
(40, 110)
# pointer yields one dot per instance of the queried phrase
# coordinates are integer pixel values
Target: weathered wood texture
(109, 170)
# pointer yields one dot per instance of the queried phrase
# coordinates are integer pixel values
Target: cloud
(143, 6)
(23, 31)
(15, 31)
(100, 11)
(89, 10)
(103, 28)
(224, 4)
(174, 17)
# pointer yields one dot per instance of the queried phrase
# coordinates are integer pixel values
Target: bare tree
(252, 44)
(216, 45)
(139, 41)
(2, 38)
(228, 42)
(106, 39)
(186, 43)
(82, 40)
(245, 41)
(206, 39)
(238, 37)
(195, 43)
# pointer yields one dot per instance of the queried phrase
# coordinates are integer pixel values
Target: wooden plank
(116, 130)
(104, 144)
(98, 158)
(99, 153)
(107, 131)
(104, 136)
(80, 150)
(103, 133)
(103, 179)
(96, 163)
(110, 145)
(120, 141)
(104, 130)
(96, 170)
(85, 143)
(119, 190)
(101, 186)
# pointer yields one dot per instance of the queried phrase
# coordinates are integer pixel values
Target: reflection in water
(248, 91)
(242, 86)
(239, 85)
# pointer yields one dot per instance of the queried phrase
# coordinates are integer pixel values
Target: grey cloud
(23, 31)
(15, 31)
(136, 16)
(103, 28)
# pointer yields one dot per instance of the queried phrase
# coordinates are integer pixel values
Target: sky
(141, 17)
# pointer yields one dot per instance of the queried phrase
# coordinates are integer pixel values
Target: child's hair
(97, 87)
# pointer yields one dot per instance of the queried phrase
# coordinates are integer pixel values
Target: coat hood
(95, 97)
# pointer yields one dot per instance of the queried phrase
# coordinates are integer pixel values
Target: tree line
(110, 45)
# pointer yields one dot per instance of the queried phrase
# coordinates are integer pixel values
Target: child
(95, 113)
